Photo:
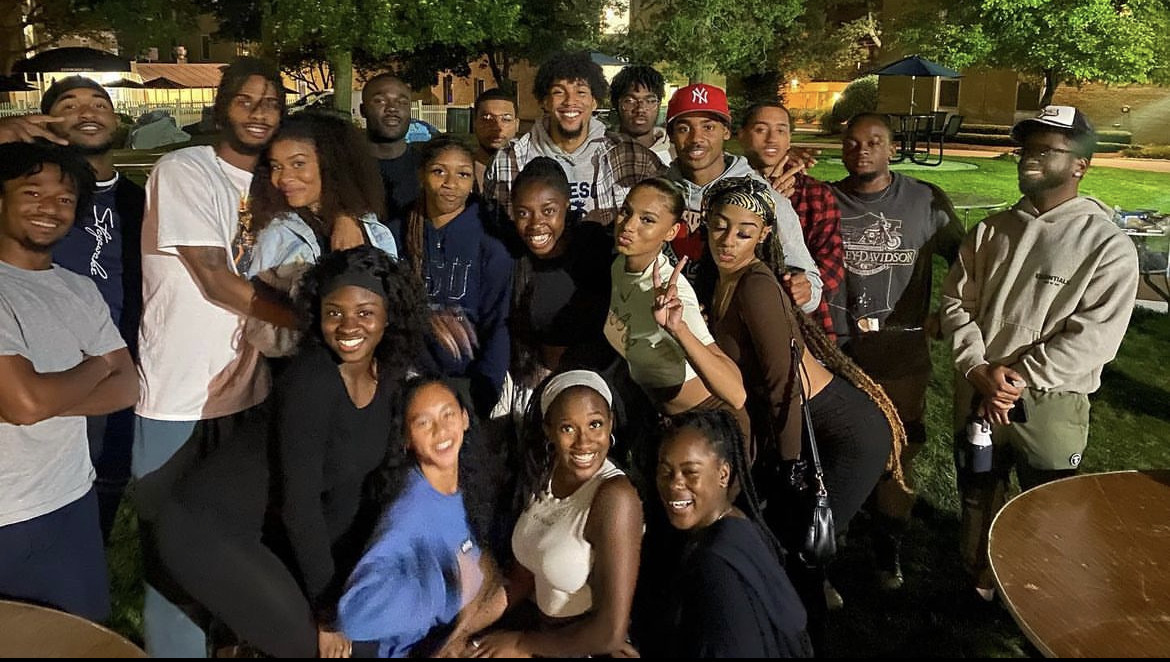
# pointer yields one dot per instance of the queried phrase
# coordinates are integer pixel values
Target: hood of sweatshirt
(734, 166)
(543, 145)
(1078, 206)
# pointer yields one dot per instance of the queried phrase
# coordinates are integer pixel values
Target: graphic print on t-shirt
(873, 246)
(580, 194)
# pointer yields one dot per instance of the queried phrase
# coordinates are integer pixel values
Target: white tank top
(549, 540)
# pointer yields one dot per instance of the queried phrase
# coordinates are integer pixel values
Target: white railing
(183, 112)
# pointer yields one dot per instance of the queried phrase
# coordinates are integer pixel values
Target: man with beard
(892, 227)
(62, 359)
(698, 122)
(636, 94)
(495, 124)
(386, 107)
(1037, 303)
(602, 167)
(200, 379)
(103, 244)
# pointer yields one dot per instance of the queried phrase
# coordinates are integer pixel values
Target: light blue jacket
(288, 240)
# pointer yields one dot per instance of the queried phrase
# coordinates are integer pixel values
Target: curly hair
(350, 182)
(407, 317)
(725, 439)
(480, 469)
(570, 66)
(631, 78)
(413, 229)
(235, 75)
(21, 159)
(815, 340)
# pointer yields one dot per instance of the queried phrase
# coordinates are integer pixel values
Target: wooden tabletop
(1083, 564)
(32, 631)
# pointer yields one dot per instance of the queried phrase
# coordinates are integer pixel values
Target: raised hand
(25, 128)
(668, 308)
(782, 176)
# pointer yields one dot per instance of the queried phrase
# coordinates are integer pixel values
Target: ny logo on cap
(699, 95)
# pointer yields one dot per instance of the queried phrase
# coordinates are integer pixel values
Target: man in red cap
(698, 122)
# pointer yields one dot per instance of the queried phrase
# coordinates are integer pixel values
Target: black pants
(209, 535)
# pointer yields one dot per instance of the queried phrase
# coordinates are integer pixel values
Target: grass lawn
(933, 615)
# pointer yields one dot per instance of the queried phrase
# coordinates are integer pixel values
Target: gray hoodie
(796, 254)
(1048, 295)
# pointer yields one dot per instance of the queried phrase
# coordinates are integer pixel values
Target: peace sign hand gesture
(668, 308)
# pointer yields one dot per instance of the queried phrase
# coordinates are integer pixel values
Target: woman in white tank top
(578, 541)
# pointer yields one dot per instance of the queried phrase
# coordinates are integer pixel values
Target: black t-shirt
(400, 177)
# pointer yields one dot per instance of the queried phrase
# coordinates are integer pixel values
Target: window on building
(205, 48)
(448, 89)
(480, 86)
(948, 93)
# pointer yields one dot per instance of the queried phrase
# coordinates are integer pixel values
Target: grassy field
(934, 614)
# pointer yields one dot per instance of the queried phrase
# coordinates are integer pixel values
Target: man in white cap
(1037, 304)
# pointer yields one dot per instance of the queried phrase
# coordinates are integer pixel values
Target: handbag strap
(799, 372)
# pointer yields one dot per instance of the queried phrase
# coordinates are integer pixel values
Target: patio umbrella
(125, 82)
(915, 66)
(74, 59)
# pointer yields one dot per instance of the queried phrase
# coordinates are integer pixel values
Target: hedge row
(1006, 141)
(1105, 137)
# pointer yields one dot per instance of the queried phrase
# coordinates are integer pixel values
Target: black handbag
(819, 543)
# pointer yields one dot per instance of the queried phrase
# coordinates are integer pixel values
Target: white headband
(567, 380)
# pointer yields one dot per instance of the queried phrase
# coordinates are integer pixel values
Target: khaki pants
(1047, 447)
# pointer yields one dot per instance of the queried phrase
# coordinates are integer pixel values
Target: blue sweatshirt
(469, 270)
(407, 582)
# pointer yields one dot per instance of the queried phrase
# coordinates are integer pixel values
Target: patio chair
(936, 140)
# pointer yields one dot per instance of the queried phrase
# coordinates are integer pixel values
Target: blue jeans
(168, 630)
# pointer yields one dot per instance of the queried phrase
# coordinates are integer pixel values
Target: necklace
(724, 513)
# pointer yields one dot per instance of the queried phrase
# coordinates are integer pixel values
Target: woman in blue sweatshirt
(468, 273)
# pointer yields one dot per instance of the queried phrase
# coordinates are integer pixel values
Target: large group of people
(538, 396)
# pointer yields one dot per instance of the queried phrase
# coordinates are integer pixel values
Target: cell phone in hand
(1018, 413)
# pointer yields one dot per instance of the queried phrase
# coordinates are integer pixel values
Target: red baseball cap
(698, 98)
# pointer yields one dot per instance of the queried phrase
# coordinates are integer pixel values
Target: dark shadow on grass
(1127, 394)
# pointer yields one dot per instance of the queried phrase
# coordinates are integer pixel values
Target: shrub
(860, 96)
(1147, 151)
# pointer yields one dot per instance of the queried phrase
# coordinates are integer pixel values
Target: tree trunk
(341, 64)
(1049, 90)
(499, 62)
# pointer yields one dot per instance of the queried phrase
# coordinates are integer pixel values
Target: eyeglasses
(630, 103)
(1039, 154)
(504, 118)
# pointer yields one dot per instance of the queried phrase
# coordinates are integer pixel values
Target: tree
(699, 37)
(1061, 41)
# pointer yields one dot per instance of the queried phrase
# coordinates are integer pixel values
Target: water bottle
(978, 445)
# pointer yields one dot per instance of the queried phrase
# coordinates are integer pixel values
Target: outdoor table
(1083, 564)
(966, 202)
(908, 129)
(1140, 239)
(28, 630)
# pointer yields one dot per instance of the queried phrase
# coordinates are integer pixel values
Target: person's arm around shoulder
(614, 529)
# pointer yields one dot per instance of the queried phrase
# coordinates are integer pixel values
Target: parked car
(418, 131)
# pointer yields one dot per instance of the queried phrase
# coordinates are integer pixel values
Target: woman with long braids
(579, 534)
(729, 595)
(755, 323)
(467, 272)
(364, 318)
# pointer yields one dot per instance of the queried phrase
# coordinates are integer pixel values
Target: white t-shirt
(656, 359)
(54, 318)
(194, 363)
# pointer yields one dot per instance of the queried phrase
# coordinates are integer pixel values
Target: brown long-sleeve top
(756, 331)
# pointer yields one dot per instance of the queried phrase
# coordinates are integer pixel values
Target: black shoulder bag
(819, 543)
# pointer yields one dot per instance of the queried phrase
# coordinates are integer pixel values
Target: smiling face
(1048, 163)
(353, 320)
(698, 140)
(578, 424)
(570, 104)
(435, 423)
(733, 233)
(386, 107)
(866, 150)
(644, 223)
(296, 172)
(447, 181)
(765, 137)
(253, 115)
(88, 118)
(692, 481)
(538, 211)
(37, 210)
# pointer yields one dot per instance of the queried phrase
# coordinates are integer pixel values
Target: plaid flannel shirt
(820, 220)
(616, 171)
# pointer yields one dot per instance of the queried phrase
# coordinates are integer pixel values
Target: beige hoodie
(1048, 295)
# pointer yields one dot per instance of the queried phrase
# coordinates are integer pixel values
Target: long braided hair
(413, 230)
(723, 435)
(755, 195)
